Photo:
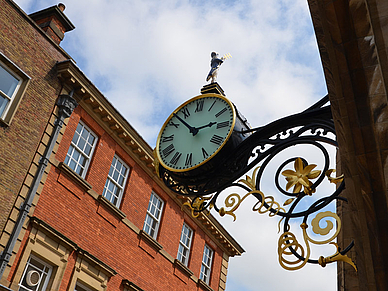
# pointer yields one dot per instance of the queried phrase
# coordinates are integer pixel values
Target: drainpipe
(66, 104)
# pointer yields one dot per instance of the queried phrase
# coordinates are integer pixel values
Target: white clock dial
(195, 132)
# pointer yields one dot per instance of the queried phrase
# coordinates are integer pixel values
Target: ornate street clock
(206, 146)
(196, 138)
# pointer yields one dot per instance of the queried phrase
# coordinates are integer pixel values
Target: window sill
(202, 284)
(183, 268)
(74, 176)
(111, 207)
(130, 286)
(150, 240)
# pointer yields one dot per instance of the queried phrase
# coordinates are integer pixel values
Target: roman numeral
(216, 139)
(212, 105)
(204, 153)
(199, 105)
(185, 112)
(174, 124)
(221, 111)
(189, 159)
(222, 124)
(168, 150)
(175, 158)
(167, 138)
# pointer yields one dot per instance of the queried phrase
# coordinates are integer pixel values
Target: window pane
(91, 139)
(79, 128)
(81, 144)
(115, 175)
(121, 181)
(85, 134)
(82, 160)
(111, 186)
(75, 138)
(3, 103)
(72, 164)
(8, 83)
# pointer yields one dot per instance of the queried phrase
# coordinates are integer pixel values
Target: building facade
(353, 42)
(100, 218)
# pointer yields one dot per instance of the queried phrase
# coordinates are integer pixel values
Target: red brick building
(100, 219)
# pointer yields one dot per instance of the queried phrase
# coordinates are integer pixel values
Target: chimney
(53, 21)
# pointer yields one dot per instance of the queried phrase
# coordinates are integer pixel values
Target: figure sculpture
(215, 64)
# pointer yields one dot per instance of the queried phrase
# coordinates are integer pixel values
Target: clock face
(195, 132)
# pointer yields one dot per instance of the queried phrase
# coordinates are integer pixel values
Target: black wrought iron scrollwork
(313, 127)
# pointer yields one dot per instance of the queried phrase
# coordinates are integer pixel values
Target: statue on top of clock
(215, 64)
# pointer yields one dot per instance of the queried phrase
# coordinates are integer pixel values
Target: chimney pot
(61, 7)
(53, 21)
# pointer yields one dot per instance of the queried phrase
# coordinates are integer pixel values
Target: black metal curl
(317, 205)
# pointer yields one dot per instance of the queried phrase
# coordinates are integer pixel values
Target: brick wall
(36, 56)
(78, 215)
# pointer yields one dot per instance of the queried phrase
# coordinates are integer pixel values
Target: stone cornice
(103, 112)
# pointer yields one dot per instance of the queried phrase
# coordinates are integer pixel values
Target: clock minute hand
(192, 130)
(210, 124)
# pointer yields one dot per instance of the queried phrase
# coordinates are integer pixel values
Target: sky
(147, 57)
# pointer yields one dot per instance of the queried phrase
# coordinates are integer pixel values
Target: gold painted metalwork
(329, 225)
(335, 258)
(301, 177)
(197, 205)
(234, 200)
(334, 180)
(288, 201)
(288, 239)
(227, 56)
(288, 244)
(156, 162)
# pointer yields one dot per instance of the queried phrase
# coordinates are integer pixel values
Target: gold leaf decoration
(334, 180)
(301, 177)
(288, 201)
(156, 162)
(335, 258)
(250, 182)
(197, 205)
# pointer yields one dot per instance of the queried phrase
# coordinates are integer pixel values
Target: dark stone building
(353, 43)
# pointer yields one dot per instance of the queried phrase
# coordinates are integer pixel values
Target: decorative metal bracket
(313, 127)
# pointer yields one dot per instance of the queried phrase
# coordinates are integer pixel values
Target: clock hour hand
(192, 129)
(207, 125)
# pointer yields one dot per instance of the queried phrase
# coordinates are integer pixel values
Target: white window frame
(37, 270)
(75, 148)
(118, 189)
(206, 265)
(154, 215)
(14, 99)
(185, 244)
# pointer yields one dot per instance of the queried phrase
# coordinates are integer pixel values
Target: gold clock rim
(179, 108)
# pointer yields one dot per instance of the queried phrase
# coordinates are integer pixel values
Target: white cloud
(149, 56)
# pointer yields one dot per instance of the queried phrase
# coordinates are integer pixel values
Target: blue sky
(148, 57)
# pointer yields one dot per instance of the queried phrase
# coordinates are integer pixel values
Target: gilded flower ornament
(301, 177)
